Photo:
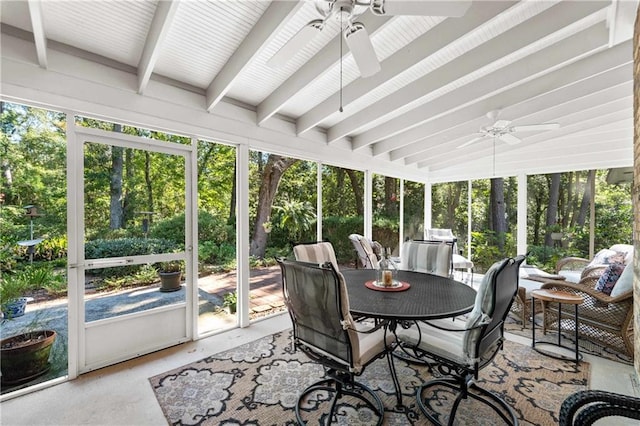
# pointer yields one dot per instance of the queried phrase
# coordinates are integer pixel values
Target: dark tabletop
(429, 297)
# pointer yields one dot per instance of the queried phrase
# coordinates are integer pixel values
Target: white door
(120, 309)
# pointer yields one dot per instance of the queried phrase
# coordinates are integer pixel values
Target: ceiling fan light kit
(355, 33)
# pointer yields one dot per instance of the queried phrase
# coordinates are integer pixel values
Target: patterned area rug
(258, 384)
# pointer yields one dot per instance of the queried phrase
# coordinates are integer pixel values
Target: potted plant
(556, 232)
(170, 275)
(230, 302)
(24, 356)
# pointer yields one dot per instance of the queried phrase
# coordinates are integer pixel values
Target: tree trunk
(116, 210)
(498, 220)
(128, 199)
(271, 175)
(586, 199)
(147, 179)
(232, 203)
(390, 197)
(358, 191)
(454, 189)
(552, 209)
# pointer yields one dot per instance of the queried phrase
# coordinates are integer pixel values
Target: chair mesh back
(313, 296)
(504, 288)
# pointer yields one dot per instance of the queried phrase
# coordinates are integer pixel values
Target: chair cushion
(479, 314)
(609, 277)
(627, 249)
(571, 276)
(606, 257)
(625, 282)
(316, 253)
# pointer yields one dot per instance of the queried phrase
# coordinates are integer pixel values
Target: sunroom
(242, 127)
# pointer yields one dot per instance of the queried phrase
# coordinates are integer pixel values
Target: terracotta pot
(170, 281)
(25, 356)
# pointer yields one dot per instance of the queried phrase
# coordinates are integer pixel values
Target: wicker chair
(585, 407)
(604, 319)
(576, 268)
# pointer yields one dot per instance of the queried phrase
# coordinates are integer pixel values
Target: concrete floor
(121, 394)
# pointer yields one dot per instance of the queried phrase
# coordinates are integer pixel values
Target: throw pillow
(602, 257)
(609, 277)
(625, 282)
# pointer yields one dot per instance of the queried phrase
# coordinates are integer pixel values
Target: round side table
(558, 297)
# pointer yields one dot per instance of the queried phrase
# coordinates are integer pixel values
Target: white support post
(427, 209)
(75, 249)
(522, 214)
(368, 203)
(319, 166)
(401, 224)
(191, 234)
(469, 217)
(242, 232)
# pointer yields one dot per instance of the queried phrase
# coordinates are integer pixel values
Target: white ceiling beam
(599, 119)
(312, 70)
(272, 20)
(580, 123)
(581, 95)
(612, 143)
(482, 56)
(39, 37)
(621, 19)
(413, 53)
(160, 25)
(439, 145)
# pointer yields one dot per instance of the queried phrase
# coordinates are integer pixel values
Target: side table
(558, 297)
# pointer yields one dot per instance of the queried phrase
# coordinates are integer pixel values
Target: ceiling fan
(355, 34)
(503, 130)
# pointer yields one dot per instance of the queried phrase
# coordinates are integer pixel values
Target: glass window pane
(342, 210)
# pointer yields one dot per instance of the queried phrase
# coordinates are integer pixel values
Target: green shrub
(337, 230)
(210, 228)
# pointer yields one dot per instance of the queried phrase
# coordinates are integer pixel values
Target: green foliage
(12, 287)
(336, 230)
(144, 275)
(170, 266)
(210, 228)
(485, 249)
(545, 257)
(217, 254)
(230, 299)
(294, 217)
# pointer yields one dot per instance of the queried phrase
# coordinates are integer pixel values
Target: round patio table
(429, 297)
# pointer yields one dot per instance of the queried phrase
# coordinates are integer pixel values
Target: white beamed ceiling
(568, 62)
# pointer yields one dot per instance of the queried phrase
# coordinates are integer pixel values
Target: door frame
(184, 313)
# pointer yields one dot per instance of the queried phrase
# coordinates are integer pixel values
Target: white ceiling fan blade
(536, 127)
(453, 9)
(501, 124)
(359, 43)
(474, 140)
(296, 43)
(509, 139)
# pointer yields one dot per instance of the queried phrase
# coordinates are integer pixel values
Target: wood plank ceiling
(566, 62)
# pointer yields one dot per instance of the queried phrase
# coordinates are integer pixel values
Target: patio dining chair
(323, 329)
(459, 353)
(427, 256)
(460, 263)
(367, 257)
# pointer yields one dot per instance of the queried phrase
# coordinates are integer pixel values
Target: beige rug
(258, 384)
